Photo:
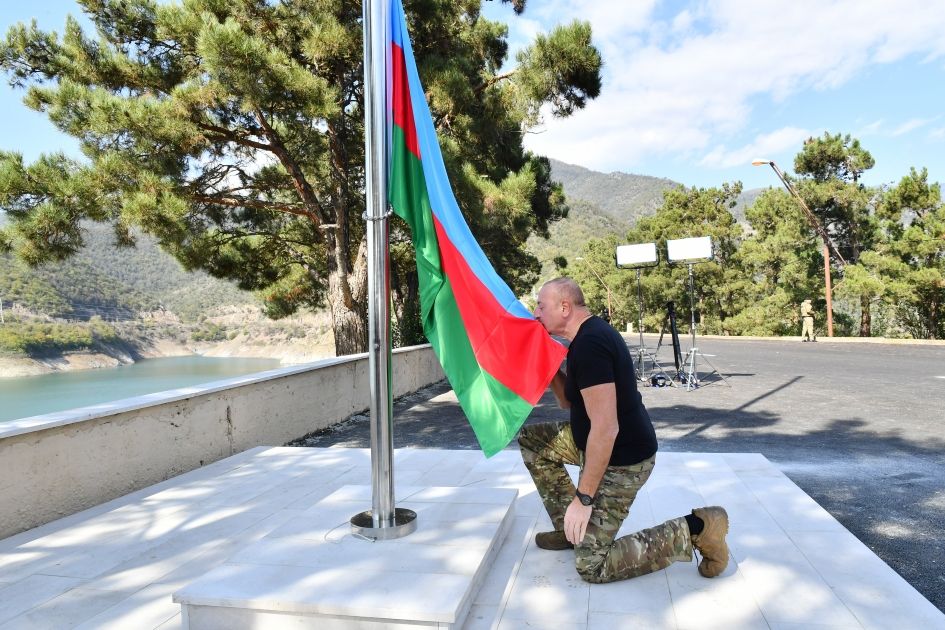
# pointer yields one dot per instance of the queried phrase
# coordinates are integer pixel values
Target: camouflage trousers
(546, 448)
(807, 331)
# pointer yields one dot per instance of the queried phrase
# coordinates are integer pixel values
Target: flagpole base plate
(405, 523)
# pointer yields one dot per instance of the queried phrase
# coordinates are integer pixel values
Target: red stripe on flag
(403, 110)
(515, 351)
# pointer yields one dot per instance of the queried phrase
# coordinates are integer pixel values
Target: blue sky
(693, 90)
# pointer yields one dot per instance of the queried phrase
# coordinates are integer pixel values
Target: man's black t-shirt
(598, 355)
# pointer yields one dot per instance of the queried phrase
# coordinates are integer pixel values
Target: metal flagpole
(384, 521)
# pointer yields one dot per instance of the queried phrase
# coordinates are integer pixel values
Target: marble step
(313, 573)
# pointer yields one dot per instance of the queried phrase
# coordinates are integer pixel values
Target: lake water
(26, 396)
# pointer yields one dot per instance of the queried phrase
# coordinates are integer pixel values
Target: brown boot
(711, 541)
(553, 541)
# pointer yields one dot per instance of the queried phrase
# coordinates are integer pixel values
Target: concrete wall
(58, 464)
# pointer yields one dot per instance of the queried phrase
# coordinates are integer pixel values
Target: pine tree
(232, 131)
(783, 266)
(685, 213)
(830, 168)
(913, 221)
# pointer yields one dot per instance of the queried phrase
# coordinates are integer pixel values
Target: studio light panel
(635, 256)
(690, 249)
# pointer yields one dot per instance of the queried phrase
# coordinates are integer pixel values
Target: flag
(497, 357)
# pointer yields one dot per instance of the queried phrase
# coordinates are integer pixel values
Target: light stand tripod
(689, 373)
(642, 354)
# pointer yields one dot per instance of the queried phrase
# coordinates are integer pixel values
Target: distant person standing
(807, 315)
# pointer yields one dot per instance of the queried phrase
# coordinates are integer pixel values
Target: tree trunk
(406, 304)
(348, 323)
(933, 320)
(865, 316)
(347, 299)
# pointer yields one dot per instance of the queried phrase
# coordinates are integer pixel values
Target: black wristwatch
(585, 499)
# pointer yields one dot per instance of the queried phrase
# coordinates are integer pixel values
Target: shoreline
(289, 352)
(14, 366)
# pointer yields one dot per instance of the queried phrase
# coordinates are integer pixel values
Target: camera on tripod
(670, 321)
(688, 251)
(639, 257)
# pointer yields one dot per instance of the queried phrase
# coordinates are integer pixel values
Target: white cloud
(882, 128)
(692, 90)
(522, 31)
(764, 146)
(910, 125)
(611, 25)
(612, 21)
(937, 134)
(871, 128)
(683, 21)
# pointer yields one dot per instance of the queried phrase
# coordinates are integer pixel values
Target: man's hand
(575, 521)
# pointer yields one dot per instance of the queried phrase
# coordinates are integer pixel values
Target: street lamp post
(604, 284)
(828, 245)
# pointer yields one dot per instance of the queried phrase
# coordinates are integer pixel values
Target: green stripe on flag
(494, 411)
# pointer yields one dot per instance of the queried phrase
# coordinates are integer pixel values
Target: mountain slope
(604, 204)
(114, 283)
(622, 196)
(119, 283)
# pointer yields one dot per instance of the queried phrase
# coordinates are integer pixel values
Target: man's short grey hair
(568, 290)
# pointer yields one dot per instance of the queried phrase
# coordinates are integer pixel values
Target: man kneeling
(611, 438)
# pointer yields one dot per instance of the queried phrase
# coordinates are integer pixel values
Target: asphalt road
(859, 426)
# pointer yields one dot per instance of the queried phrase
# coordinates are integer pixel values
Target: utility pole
(828, 245)
(605, 285)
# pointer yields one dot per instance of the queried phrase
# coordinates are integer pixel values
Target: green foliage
(40, 338)
(686, 212)
(595, 271)
(830, 168)
(699, 212)
(210, 332)
(567, 237)
(601, 205)
(833, 157)
(115, 283)
(20, 285)
(912, 254)
(782, 266)
(561, 68)
(229, 133)
(232, 132)
(622, 197)
(199, 294)
(281, 298)
(893, 241)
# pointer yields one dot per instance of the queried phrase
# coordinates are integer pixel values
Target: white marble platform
(311, 573)
(118, 564)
